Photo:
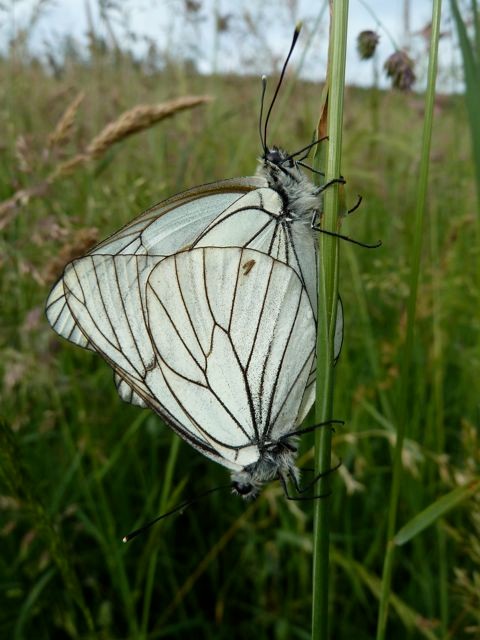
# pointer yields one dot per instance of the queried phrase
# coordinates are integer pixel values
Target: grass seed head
(140, 117)
(399, 67)
(62, 132)
(367, 43)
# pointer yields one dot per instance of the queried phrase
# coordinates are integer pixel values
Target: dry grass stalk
(67, 167)
(63, 130)
(8, 208)
(140, 117)
(129, 122)
(22, 154)
(132, 121)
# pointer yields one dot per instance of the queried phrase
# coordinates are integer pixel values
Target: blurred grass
(98, 467)
(404, 398)
(470, 50)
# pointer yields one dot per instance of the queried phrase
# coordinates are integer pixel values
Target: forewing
(258, 221)
(106, 297)
(190, 212)
(161, 230)
(250, 222)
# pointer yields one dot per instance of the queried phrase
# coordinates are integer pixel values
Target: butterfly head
(277, 157)
(280, 170)
(277, 461)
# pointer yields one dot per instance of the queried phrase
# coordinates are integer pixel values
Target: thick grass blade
(327, 312)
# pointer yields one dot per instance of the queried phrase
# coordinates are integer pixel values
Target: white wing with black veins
(219, 341)
(242, 212)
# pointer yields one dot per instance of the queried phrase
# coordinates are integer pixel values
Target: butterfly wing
(221, 349)
(257, 221)
(161, 230)
(240, 212)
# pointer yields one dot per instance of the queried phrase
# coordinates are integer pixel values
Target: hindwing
(218, 341)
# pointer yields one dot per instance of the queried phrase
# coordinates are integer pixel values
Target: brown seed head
(366, 44)
(399, 67)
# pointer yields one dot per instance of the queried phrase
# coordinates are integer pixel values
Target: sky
(172, 28)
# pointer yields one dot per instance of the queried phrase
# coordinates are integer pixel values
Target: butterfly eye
(274, 156)
(242, 488)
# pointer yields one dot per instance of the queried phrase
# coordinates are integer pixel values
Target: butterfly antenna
(260, 120)
(179, 508)
(296, 33)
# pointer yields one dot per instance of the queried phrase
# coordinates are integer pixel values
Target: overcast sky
(172, 28)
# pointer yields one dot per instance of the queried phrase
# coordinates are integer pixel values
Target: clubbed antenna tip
(296, 33)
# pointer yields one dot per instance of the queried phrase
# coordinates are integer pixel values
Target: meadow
(79, 468)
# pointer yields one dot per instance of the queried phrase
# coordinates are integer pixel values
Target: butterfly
(205, 308)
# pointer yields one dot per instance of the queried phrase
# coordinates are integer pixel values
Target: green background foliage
(79, 468)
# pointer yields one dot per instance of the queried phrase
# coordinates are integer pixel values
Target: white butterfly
(234, 231)
(218, 341)
(205, 307)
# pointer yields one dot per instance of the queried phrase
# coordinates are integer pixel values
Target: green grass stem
(471, 69)
(404, 397)
(327, 313)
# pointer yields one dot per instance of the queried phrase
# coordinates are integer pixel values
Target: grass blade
(404, 395)
(471, 68)
(435, 511)
(327, 313)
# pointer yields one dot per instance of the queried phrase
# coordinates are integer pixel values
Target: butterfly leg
(320, 475)
(299, 498)
(321, 189)
(356, 205)
(301, 490)
(316, 227)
